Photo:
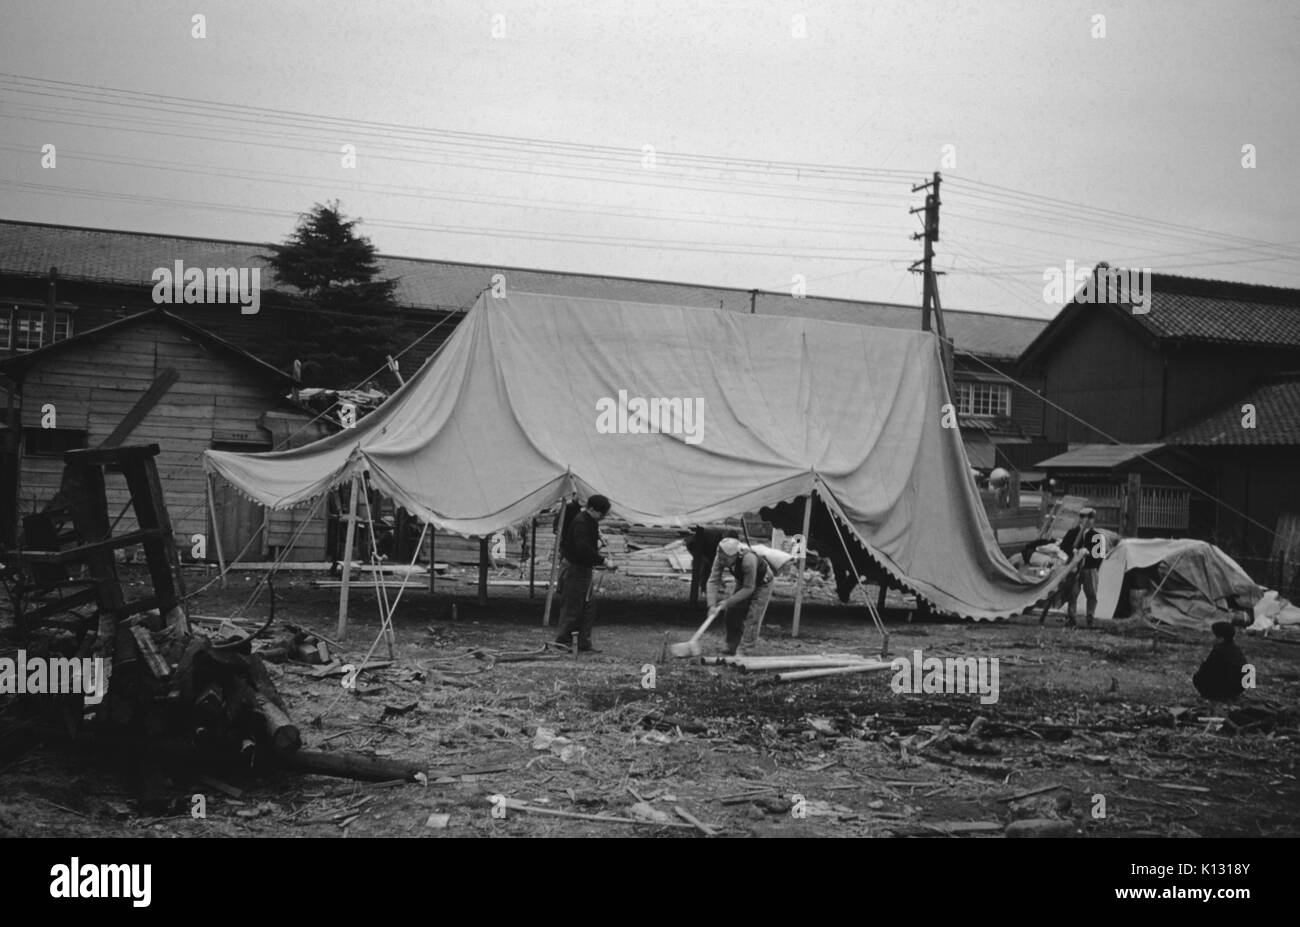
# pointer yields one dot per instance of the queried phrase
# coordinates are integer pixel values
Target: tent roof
(537, 396)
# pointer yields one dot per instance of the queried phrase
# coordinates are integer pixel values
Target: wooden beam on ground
(347, 560)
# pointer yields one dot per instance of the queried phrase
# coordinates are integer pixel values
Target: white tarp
(681, 416)
(1194, 596)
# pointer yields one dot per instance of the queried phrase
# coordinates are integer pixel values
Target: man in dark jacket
(1220, 676)
(1083, 537)
(580, 548)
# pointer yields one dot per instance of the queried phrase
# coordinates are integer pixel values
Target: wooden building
(154, 377)
(1251, 448)
(1152, 404)
(1135, 378)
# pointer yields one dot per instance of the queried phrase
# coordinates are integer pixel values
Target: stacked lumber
(639, 538)
(668, 560)
(794, 668)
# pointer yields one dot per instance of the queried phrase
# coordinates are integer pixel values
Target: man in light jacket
(754, 570)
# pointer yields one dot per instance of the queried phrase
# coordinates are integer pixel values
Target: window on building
(52, 442)
(23, 329)
(984, 400)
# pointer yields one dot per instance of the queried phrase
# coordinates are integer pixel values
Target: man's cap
(1087, 511)
(729, 546)
(599, 503)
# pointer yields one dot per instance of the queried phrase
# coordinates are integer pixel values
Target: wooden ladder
(84, 500)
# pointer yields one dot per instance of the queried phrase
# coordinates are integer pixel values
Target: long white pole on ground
(347, 561)
(803, 559)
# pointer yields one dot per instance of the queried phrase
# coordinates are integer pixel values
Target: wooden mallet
(691, 648)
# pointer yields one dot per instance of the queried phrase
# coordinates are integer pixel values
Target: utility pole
(51, 304)
(930, 277)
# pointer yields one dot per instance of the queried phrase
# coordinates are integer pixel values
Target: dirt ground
(1107, 716)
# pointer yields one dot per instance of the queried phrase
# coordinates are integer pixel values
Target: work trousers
(743, 620)
(1087, 579)
(575, 613)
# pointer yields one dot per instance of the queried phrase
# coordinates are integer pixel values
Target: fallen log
(354, 766)
(831, 671)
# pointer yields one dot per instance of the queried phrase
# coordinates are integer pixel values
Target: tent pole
(377, 574)
(216, 531)
(555, 565)
(532, 556)
(858, 584)
(803, 560)
(432, 536)
(347, 560)
(482, 569)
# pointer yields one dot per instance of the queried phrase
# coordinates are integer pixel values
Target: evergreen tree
(342, 318)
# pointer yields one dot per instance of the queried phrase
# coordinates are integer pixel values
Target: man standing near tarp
(755, 576)
(580, 548)
(1083, 537)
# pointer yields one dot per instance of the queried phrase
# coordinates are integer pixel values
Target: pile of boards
(667, 561)
(794, 668)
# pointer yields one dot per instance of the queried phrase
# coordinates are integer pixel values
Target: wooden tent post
(532, 555)
(216, 531)
(433, 536)
(347, 560)
(803, 560)
(555, 566)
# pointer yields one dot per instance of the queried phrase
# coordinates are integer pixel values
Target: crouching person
(754, 572)
(1220, 676)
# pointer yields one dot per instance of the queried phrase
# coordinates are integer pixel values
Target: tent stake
(347, 561)
(803, 560)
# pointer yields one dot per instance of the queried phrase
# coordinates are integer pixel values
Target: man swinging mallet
(755, 574)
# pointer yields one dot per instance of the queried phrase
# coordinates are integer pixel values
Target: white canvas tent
(680, 416)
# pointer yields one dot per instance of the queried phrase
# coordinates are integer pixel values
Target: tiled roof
(1194, 309)
(130, 258)
(1222, 319)
(1276, 422)
(1097, 456)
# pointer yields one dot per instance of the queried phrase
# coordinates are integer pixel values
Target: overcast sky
(683, 140)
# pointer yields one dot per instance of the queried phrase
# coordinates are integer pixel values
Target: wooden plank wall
(92, 386)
